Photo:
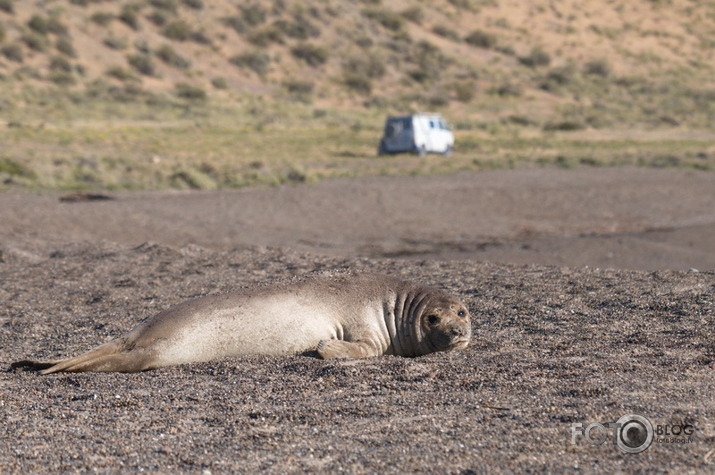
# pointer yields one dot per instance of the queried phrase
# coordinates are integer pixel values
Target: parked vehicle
(419, 133)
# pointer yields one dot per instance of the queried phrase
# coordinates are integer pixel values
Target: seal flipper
(111, 356)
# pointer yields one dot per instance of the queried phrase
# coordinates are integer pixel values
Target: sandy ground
(592, 293)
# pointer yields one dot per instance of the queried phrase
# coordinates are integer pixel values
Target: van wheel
(381, 149)
(421, 150)
(448, 152)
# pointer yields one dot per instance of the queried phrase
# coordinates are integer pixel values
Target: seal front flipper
(328, 349)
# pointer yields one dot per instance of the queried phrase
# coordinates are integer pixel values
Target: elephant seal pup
(339, 316)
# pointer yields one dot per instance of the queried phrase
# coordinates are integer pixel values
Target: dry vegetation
(75, 71)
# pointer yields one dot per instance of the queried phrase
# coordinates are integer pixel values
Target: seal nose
(457, 331)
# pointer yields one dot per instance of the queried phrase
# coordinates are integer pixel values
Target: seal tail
(107, 357)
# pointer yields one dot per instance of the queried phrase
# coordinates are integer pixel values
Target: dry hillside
(561, 64)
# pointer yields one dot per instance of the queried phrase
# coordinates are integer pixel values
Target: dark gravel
(552, 346)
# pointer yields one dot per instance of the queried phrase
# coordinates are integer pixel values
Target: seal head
(446, 325)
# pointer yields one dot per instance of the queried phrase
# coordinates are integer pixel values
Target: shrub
(312, 54)
(142, 63)
(298, 86)
(178, 30)
(219, 83)
(413, 14)
(481, 39)
(190, 92)
(253, 15)
(256, 61)
(15, 168)
(168, 5)
(167, 54)
(195, 4)
(2, 33)
(464, 91)
(64, 45)
(158, 17)
(508, 89)
(446, 32)
(371, 66)
(7, 6)
(236, 23)
(120, 73)
(598, 67)
(62, 78)
(387, 18)
(115, 43)
(129, 16)
(13, 52)
(301, 29)
(60, 63)
(536, 57)
(34, 41)
(266, 36)
(55, 26)
(38, 24)
(103, 18)
(358, 82)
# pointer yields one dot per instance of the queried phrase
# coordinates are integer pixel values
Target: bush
(167, 54)
(129, 17)
(158, 17)
(537, 57)
(387, 18)
(38, 24)
(178, 30)
(236, 23)
(219, 83)
(299, 87)
(266, 36)
(102, 18)
(7, 6)
(60, 63)
(115, 43)
(312, 54)
(13, 52)
(464, 91)
(358, 82)
(446, 32)
(413, 14)
(64, 45)
(253, 15)
(62, 78)
(195, 4)
(192, 93)
(142, 63)
(167, 5)
(371, 66)
(301, 29)
(481, 39)
(598, 67)
(256, 61)
(15, 168)
(34, 41)
(120, 73)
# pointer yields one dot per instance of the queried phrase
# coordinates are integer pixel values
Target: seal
(347, 315)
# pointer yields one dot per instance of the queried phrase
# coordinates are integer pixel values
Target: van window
(431, 124)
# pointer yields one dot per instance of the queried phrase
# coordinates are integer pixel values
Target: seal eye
(433, 319)
(462, 313)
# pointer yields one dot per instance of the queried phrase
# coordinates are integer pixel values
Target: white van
(419, 133)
